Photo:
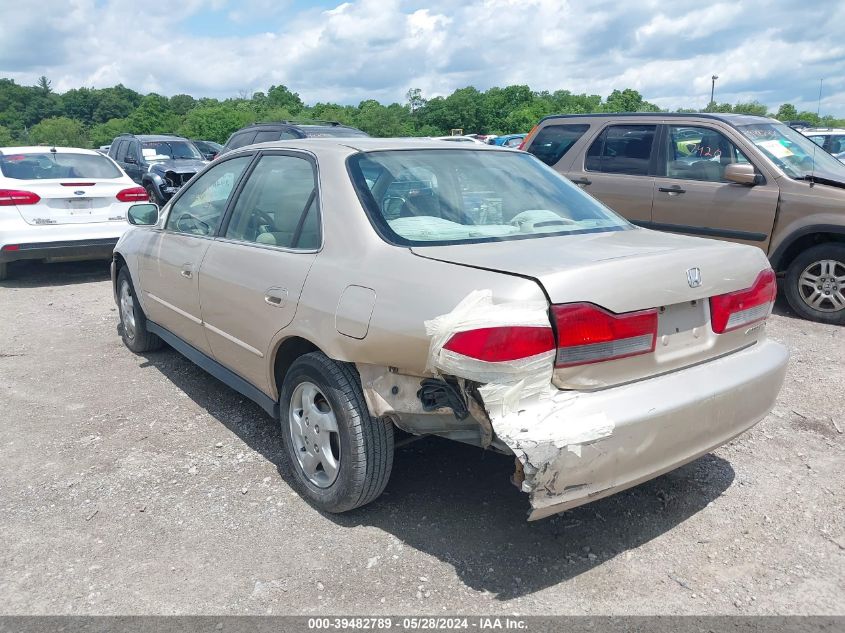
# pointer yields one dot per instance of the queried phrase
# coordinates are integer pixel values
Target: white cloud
(362, 49)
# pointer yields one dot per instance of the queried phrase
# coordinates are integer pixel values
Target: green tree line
(90, 117)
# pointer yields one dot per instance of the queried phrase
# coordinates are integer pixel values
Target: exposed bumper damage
(574, 447)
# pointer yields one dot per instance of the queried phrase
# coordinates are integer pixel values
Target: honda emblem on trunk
(694, 277)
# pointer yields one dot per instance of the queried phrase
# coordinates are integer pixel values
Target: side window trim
(314, 202)
(235, 189)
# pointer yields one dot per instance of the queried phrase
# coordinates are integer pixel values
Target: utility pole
(713, 87)
(819, 107)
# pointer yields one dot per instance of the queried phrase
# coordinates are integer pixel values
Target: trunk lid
(626, 271)
(75, 201)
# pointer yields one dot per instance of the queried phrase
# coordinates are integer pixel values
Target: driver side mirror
(145, 214)
(742, 174)
(130, 160)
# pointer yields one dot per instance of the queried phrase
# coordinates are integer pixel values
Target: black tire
(154, 195)
(365, 443)
(4, 270)
(795, 290)
(135, 336)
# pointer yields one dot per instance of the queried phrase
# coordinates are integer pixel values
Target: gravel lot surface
(141, 485)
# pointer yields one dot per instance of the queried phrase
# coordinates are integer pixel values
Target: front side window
(451, 196)
(120, 152)
(699, 153)
(50, 165)
(278, 205)
(818, 140)
(796, 155)
(553, 141)
(622, 149)
(198, 210)
(241, 140)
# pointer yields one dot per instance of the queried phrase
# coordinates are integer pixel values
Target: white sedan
(59, 203)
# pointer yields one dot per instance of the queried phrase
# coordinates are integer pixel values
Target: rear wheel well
(802, 244)
(119, 264)
(290, 349)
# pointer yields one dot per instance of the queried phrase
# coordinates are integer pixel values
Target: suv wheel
(338, 455)
(815, 283)
(133, 322)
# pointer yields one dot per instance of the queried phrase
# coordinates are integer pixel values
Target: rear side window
(47, 165)
(553, 141)
(241, 140)
(622, 149)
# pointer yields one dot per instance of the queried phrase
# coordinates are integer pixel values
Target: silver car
(353, 287)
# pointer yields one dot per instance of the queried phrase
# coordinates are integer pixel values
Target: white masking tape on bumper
(580, 447)
(506, 383)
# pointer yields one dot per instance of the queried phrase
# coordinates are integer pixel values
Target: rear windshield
(330, 131)
(50, 165)
(553, 141)
(452, 196)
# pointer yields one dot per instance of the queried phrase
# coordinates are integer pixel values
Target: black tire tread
(826, 250)
(371, 437)
(145, 341)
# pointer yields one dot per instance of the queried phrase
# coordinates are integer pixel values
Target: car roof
(156, 137)
(351, 145)
(729, 118)
(823, 130)
(40, 149)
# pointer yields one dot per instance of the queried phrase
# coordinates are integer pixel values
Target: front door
(252, 275)
(170, 259)
(618, 169)
(692, 196)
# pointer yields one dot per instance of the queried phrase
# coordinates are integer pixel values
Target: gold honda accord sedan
(352, 287)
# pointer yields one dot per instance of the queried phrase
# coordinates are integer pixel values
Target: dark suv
(282, 130)
(161, 163)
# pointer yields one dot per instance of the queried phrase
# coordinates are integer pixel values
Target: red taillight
(135, 194)
(11, 247)
(527, 137)
(744, 307)
(502, 344)
(10, 197)
(589, 334)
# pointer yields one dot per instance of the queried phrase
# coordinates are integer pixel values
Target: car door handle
(582, 181)
(186, 272)
(276, 297)
(672, 189)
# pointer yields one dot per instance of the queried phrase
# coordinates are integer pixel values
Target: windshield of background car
(435, 197)
(169, 149)
(48, 165)
(793, 152)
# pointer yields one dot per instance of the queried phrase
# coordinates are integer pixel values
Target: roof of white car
(822, 130)
(40, 149)
(369, 144)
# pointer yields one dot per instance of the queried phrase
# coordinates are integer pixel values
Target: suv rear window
(622, 149)
(453, 196)
(553, 141)
(49, 165)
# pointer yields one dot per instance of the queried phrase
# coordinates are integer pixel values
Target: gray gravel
(141, 485)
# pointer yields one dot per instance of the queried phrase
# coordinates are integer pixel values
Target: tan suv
(733, 177)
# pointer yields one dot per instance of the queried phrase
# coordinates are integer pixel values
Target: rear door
(170, 259)
(252, 275)
(692, 196)
(618, 168)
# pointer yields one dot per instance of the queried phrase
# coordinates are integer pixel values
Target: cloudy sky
(346, 52)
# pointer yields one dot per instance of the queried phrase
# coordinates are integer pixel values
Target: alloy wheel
(127, 310)
(314, 434)
(822, 285)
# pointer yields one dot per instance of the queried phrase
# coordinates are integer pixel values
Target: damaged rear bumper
(576, 447)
